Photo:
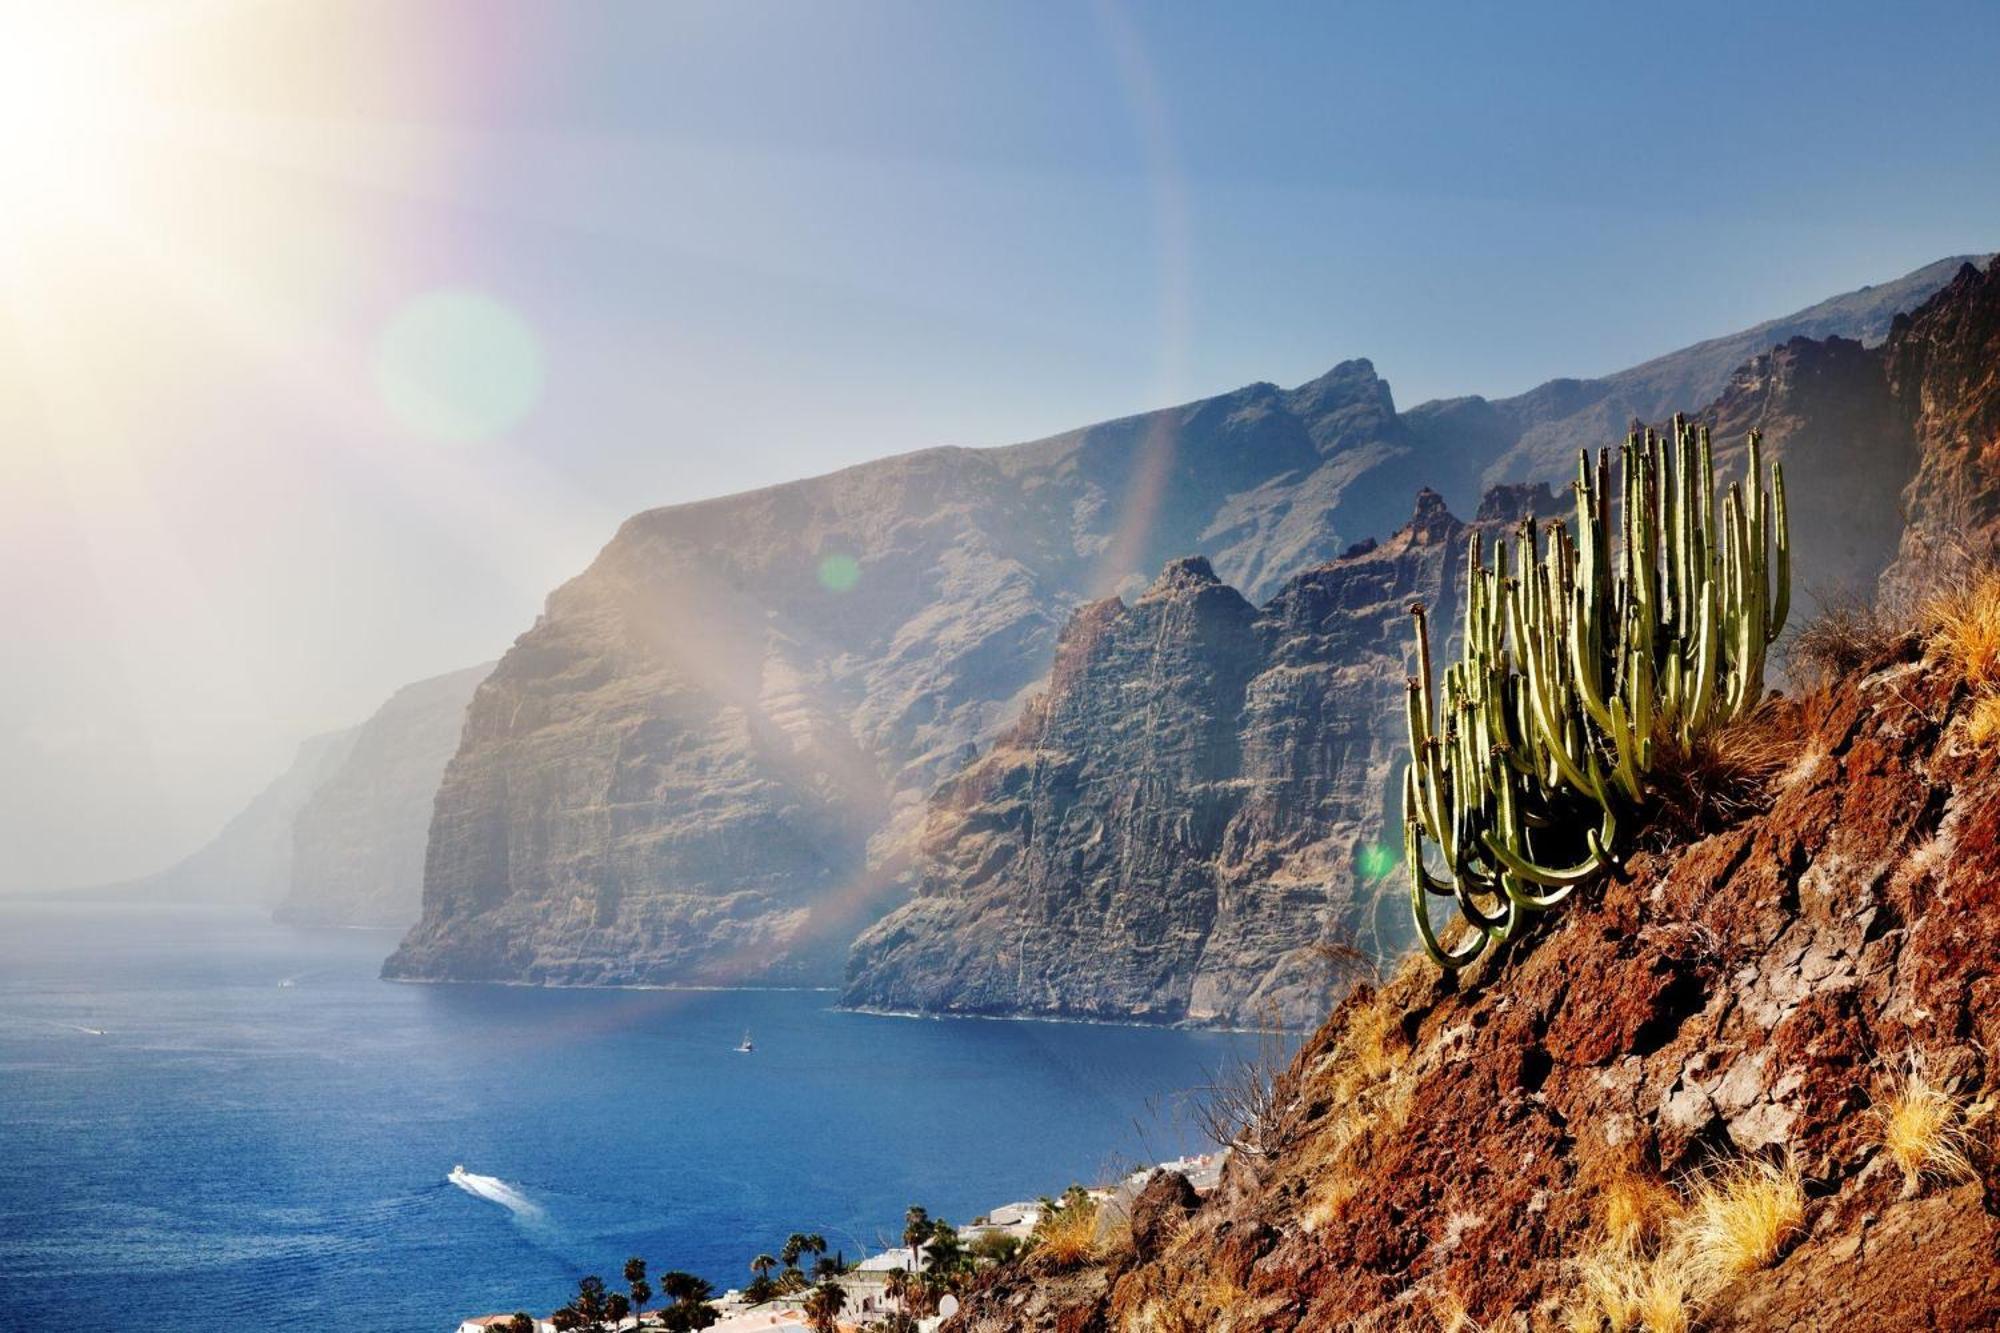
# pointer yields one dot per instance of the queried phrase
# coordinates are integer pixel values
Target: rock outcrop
(1944, 368)
(357, 843)
(1197, 801)
(1445, 1150)
(709, 761)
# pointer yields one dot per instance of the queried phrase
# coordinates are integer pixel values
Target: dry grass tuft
(1449, 1315)
(1924, 1129)
(1636, 1207)
(1361, 1080)
(1847, 636)
(1738, 1219)
(1622, 1289)
(1663, 1258)
(1982, 727)
(1172, 1303)
(1962, 626)
(1719, 779)
(1066, 1237)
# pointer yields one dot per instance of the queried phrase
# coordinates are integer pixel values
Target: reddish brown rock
(1747, 995)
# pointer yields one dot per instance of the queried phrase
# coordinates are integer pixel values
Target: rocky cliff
(357, 842)
(1944, 368)
(709, 760)
(1195, 803)
(1548, 1142)
(1086, 867)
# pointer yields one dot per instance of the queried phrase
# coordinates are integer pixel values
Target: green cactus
(1579, 657)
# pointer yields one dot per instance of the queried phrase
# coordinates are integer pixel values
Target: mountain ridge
(711, 757)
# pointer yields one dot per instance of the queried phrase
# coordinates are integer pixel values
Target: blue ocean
(209, 1122)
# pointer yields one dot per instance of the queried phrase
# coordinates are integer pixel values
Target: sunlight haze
(337, 335)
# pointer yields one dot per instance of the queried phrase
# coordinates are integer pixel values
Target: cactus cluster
(1582, 655)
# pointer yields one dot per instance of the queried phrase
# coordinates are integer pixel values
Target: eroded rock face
(710, 759)
(358, 841)
(1944, 368)
(1198, 799)
(1753, 992)
(705, 762)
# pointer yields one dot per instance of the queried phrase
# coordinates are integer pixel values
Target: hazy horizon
(717, 247)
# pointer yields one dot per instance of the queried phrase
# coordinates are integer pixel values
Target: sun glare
(65, 107)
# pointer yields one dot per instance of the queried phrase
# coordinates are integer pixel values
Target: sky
(334, 335)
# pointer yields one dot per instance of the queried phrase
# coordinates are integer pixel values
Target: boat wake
(494, 1190)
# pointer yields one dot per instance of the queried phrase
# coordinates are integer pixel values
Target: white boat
(746, 1046)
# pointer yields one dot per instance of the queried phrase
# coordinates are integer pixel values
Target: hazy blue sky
(725, 245)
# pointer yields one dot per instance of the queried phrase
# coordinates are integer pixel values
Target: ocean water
(208, 1122)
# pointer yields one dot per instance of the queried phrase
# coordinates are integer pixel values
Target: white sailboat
(745, 1046)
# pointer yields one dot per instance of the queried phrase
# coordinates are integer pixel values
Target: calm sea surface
(208, 1122)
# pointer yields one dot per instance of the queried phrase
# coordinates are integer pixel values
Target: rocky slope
(357, 843)
(1195, 802)
(709, 759)
(1449, 1151)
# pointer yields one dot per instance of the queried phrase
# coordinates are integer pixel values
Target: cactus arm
(1781, 596)
(1449, 959)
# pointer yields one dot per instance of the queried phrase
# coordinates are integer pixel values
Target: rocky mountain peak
(1189, 573)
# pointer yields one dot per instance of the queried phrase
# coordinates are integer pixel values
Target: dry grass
(1621, 1289)
(1982, 726)
(1174, 1304)
(1846, 636)
(1738, 1219)
(1067, 1236)
(1962, 626)
(1242, 1104)
(1924, 1129)
(1636, 1207)
(1360, 1080)
(1720, 778)
(1663, 1258)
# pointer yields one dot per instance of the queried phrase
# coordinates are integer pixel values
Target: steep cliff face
(1827, 412)
(1449, 1150)
(709, 760)
(704, 762)
(1944, 368)
(357, 843)
(1197, 800)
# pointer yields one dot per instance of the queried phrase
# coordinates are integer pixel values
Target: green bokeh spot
(458, 365)
(839, 573)
(1376, 861)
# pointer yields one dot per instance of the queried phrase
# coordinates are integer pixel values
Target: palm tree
(762, 1265)
(814, 1244)
(823, 1307)
(917, 1228)
(635, 1278)
(897, 1288)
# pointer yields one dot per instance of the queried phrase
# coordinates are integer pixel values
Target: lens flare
(839, 573)
(458, 366)
(1376, 861)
